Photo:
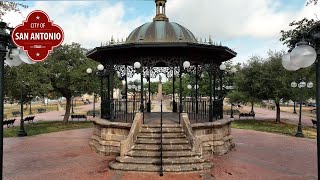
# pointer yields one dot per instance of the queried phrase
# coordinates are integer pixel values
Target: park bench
(78, 116)
(9, 122)
(90, 112)
(41, 110)
(15, 113)
(247, 115)
(29, 119)
(314, 123)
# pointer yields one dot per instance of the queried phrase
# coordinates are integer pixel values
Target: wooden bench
(9, 122)
(15, 113)
(78, 116)
(29, 119)
(41, 110)
(314, 123)
(247, 115)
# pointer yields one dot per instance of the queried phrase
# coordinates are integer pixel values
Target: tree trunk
(252, 111)
(67, 113)
(278, 112)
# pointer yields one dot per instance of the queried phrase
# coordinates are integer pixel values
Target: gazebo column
(196, 87)
(174, 104)
(111, 91)
(180, 90)
(102, 108)
(221, 94)
(149, 92)
(210, 72)
(126, 91)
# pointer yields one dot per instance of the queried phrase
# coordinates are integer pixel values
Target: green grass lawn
(42, 127)
(273, 127)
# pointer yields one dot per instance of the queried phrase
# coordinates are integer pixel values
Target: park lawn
(273, 127)
(42, 127)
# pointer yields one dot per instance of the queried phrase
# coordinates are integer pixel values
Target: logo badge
(37, 35)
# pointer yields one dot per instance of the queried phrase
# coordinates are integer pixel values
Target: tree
(66, 67)
(294, 35)
(7, 6)
(248, 80)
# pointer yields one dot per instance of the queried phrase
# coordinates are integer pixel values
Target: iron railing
(161, 150)
(124, 111)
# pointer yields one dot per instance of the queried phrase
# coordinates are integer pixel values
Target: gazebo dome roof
(161, 31)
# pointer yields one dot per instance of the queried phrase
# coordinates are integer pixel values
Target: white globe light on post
(303, 55)
(89, 70)
(189, 86)
(137, 65)
(222, 67)
(100, 67)
(118, 74)
(233, 70)
(294, 84)
(309, 84)
(302, 84)
(287, 64)
(186, 64)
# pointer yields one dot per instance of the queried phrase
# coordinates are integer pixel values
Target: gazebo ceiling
(160, 39)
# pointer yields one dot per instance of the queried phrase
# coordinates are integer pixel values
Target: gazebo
(157, 47)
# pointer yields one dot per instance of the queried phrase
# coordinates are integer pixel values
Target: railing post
(161, 163)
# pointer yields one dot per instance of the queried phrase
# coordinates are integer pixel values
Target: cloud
(230, 19)
(93, 22)
(88, 23)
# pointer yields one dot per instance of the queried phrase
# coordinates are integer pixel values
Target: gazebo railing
(124, 111)
(199, 110)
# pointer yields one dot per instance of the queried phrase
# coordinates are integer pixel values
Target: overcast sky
(250, 27)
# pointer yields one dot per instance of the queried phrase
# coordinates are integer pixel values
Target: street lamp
(303, 55)
(139, 69)
(30, 96)
(22, 131)
(301, 85)
(233, 70)
(183, 66)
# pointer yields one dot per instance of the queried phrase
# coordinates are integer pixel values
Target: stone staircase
(145, 154)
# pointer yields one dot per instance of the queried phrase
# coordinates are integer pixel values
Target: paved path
(267, 114)
(55, 115)
(66, 155)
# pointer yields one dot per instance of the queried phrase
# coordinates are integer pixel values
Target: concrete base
(107, 136)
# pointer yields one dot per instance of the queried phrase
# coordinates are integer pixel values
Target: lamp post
(304, 54)
(72, 112)
(301, 85)
(183, 66)
(22, 131)
(104, 72)
(139, 69)
(30, 96)
(232, 72)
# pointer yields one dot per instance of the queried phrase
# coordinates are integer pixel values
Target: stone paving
(267, 114)
(66, 155)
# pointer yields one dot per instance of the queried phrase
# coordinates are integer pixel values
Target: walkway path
(66, 155)
(267, 114)
(55, 115)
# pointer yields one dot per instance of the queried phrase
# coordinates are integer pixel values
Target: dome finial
(160, 11)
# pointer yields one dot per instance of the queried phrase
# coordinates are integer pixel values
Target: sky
(249, 27)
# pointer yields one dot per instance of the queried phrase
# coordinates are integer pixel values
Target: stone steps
(158, 130)
(179, 153)
(164, 135)
(145, 154)
(156, 168)
(150, 160)
(166, 147)
(164, 141)
(163, 126)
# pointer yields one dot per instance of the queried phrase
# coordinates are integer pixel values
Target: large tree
(8, 6)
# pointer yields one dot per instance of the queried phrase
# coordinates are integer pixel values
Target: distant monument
(159, 95)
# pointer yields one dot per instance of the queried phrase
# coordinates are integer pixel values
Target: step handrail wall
(161, 150)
